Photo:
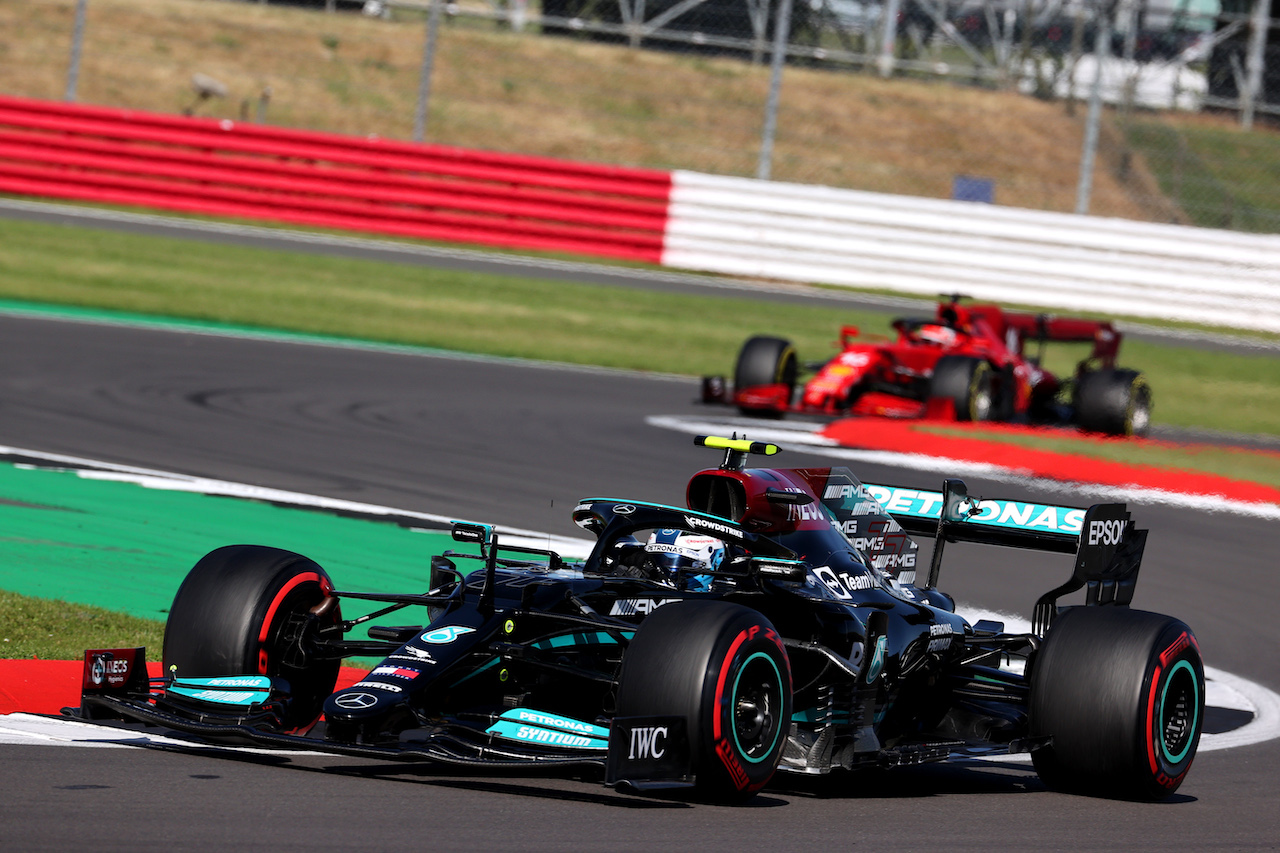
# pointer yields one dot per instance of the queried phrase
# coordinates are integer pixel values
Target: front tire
(722, 667)
(241, 609)
(1121, 694)
(968, 383)
(766, 361)
(1115, 402)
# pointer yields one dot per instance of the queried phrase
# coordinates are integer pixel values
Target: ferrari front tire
(241, 610)
(723, 668)
(766, 361)
(1119, 693)
(968, 383)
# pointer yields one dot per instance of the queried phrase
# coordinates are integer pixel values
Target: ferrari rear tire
(723, 668)
(241, 609)
(1120, 693)
(969, 383)
(766, 361)
(1113, 401)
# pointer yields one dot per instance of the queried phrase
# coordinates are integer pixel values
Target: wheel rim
(1179, 712)
(1140, 413)
(756, 704)
(981, 405)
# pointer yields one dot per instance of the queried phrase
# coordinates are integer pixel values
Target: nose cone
(359, 703)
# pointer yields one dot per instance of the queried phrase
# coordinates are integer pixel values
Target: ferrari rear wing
(1107, 545)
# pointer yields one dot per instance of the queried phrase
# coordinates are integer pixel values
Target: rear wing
(1107, 545)
(1103, 335)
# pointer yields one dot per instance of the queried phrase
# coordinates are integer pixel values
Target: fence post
(1101, 52)
(1258, 24)
(424, 79)
(77, 45)
(889, 38)
(781, 35)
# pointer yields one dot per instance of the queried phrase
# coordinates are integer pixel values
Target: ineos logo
(356, 701)
(1106, 532)
(644, 742)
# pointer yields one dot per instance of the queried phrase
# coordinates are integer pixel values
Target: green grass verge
(1211, 173)
(58, 630)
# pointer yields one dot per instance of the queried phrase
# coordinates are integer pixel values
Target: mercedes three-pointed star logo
(356, 701)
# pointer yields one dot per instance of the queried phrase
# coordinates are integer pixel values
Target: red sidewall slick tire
(722, 667)
(1121, 693)
(233, 615)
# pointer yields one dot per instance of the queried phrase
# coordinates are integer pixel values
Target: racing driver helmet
(679, 554)
(937, 334)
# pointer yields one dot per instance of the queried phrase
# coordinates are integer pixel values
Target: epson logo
(648, 742)
(1106, 532)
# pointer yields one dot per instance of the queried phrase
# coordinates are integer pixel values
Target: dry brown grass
(526, 93)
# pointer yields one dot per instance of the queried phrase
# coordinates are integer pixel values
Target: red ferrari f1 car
(969, 362)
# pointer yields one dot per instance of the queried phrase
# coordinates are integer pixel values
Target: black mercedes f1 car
(779, 621)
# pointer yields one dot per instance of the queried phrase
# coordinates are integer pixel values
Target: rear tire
(722, 667)
(766, 361)
(1121, 692)
(968, 383)
(1115, 402)
(240, 610)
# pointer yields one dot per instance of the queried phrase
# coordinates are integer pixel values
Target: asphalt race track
(517, 444)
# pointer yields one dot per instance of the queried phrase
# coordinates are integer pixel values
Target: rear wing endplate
(1107, 545)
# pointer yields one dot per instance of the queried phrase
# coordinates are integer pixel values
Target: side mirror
(779, 569)
(478, 534)
(778, 496)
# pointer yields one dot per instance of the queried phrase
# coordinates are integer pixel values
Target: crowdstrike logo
(694, 521)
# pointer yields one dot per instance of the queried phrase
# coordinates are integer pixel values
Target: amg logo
(641, 606)
(1106, 532)
(893, 561)
(645, 742)
(840, 491)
